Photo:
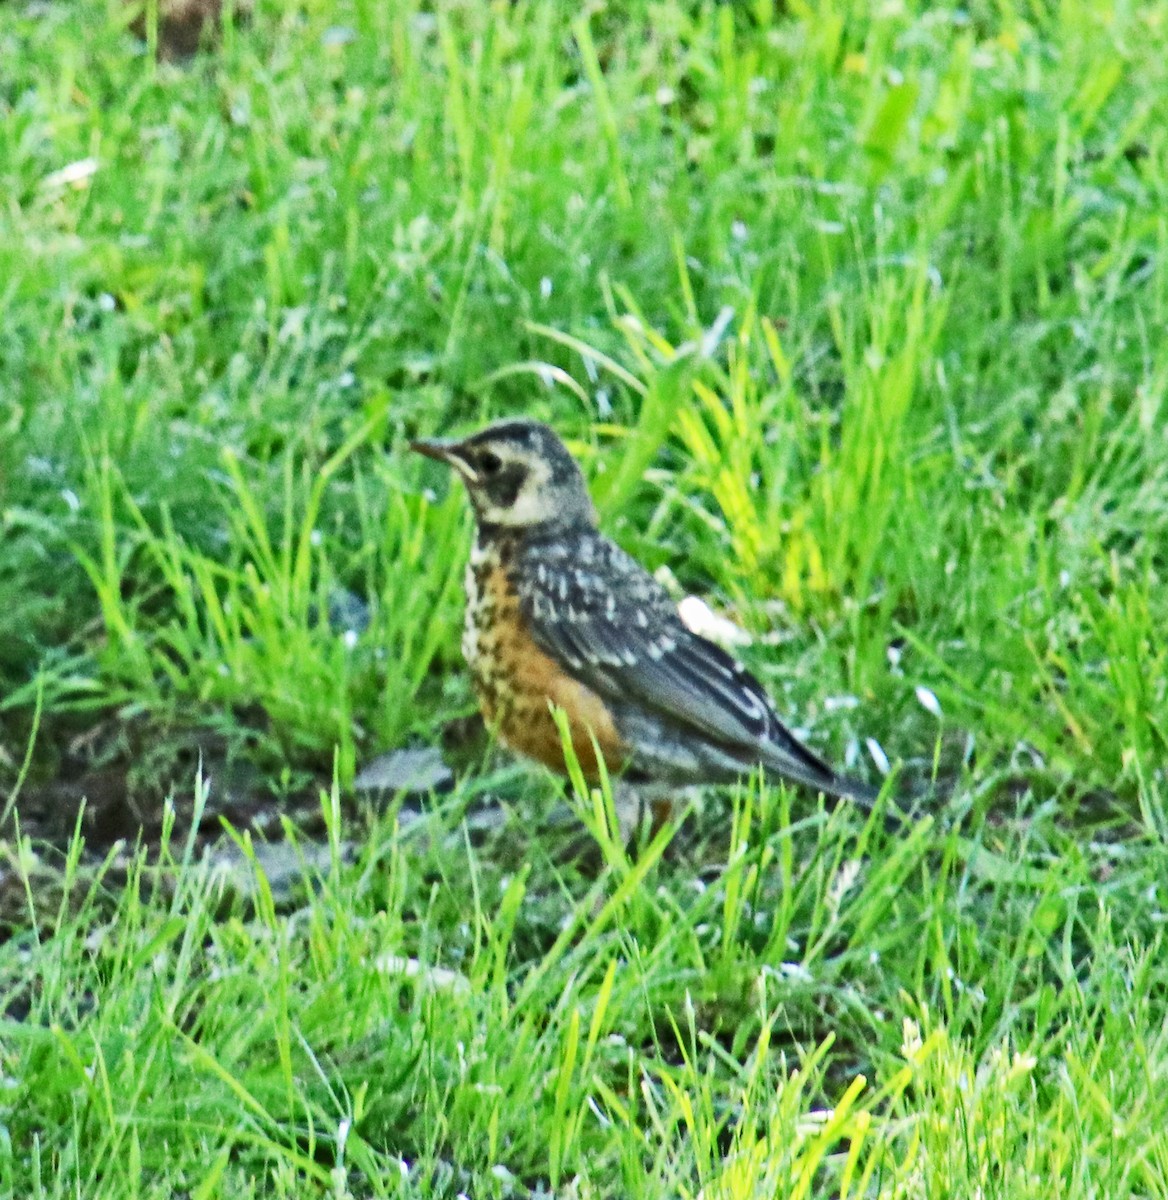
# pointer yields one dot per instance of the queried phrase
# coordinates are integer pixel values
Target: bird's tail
(843, 787)
(810, 771)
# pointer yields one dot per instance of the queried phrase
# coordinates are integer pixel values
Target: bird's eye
(489, 462)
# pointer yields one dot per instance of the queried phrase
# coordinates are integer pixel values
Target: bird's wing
(599, 613)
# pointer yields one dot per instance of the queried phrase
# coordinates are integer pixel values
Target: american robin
(556, 612)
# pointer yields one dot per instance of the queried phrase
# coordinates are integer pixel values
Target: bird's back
(688, 711)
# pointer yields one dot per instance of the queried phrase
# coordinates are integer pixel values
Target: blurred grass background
(884, 289)
(855, 316)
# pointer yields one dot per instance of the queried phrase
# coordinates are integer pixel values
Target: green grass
(855, 317)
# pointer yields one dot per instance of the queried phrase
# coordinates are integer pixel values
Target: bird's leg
(628, 805)
(642, 809)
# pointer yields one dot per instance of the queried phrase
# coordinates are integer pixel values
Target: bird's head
(518, 474)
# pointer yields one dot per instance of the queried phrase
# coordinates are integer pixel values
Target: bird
(559, 614)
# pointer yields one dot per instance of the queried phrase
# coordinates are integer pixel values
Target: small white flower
(878, 756)
(698, 617)
(76, 174)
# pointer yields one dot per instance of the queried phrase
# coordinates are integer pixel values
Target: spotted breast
(515, 680)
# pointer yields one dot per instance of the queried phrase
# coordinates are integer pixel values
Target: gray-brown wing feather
(598, 612)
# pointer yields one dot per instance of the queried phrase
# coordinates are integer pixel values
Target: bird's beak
(446, 450)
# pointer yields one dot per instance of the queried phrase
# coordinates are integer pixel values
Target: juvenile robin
(556, 612)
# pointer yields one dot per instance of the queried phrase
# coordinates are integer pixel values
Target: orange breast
(515, 681)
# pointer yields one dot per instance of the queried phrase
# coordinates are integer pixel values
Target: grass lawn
(855, 315)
